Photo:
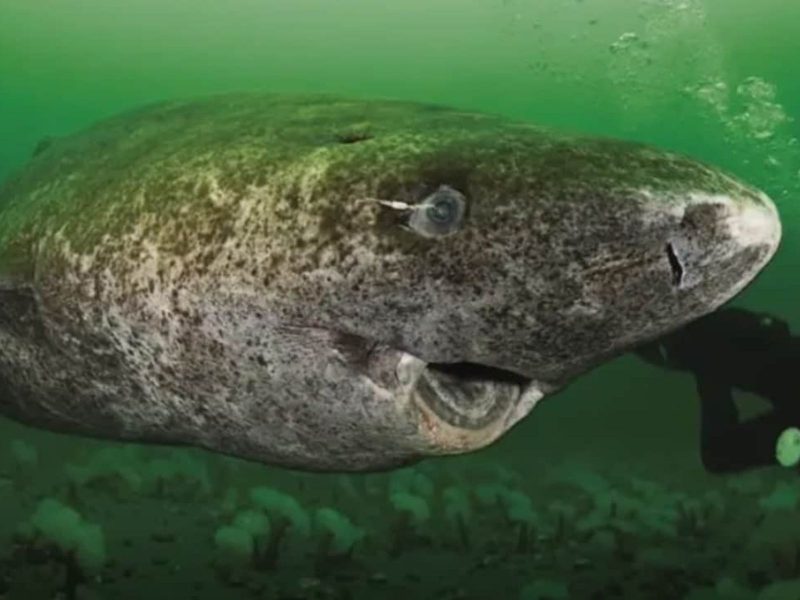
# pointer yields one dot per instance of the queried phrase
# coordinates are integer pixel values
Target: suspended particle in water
(713, 93)
(625, 41)
(762, 116)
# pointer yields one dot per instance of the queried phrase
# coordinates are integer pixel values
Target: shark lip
(527, 390)
(469, 395)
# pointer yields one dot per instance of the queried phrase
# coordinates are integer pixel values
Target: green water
(716, 79)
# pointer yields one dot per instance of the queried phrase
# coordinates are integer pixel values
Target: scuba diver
(734, 348)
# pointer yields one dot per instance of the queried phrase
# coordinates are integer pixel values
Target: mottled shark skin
(242, 273)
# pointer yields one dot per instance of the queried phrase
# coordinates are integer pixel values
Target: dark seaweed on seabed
(133, 522)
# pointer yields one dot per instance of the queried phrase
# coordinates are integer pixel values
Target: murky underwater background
(600, 492)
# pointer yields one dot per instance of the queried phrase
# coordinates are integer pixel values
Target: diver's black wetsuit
(736, 348)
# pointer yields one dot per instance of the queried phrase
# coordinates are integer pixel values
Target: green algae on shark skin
(242, 274)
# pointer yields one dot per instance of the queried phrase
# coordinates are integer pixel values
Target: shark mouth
(469, 396)
(457, 406)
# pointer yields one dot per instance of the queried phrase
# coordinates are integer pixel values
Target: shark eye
(440, 214)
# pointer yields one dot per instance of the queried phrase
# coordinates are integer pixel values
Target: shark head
(490, 265)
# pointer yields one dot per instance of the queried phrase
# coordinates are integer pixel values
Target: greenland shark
(337, 284)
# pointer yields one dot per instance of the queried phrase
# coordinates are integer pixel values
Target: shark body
(338, 284)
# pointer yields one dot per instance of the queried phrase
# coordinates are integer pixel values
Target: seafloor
(127, 522)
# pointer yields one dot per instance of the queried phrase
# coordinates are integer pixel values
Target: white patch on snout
(750, 222)
(756, 224)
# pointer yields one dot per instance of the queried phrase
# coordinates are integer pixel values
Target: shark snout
(755, 224)
(721, 242)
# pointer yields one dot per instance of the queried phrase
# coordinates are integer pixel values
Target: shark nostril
(675, 265)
